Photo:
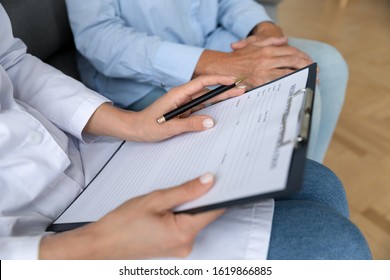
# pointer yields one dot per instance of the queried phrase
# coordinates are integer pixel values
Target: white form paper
(243, 151)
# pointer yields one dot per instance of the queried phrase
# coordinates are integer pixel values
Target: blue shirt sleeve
(120, 51)
(241, 16)
(147, 42)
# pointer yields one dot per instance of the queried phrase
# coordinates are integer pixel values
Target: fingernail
(241, 86)
(208, 123)
(206, 178)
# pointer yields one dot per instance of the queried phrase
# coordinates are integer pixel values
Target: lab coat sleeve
(64, 101)
(241, 16)
(121, 51)
(20, 248)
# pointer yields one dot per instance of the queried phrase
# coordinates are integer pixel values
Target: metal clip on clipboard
(304, 117)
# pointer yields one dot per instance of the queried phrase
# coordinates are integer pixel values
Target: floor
(360, 150)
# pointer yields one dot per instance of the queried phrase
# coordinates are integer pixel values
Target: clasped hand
(266, 55)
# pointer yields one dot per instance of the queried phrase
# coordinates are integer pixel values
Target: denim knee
(327, 56)
(310, 230)
(320, 184)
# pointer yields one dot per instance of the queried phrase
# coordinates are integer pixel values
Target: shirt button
(163, 85)
(35, 137)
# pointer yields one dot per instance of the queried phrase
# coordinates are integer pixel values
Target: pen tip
(239, 80)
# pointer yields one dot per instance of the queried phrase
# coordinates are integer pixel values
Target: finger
(199, 93)
(240, 89)
(190, 124)
(298, 63)
(286, 51)
(243, 43)
(195, 109)
(237, 91)
(288, 61)
(234, 92)
(172, 197)
(272, 41)
(276, 73)
(180, 94)
(303, 55)
(279, 41)
(197, 222)
(272, 75)
(239, 45)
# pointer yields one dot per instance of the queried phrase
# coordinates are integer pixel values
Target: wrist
(127, 125)
(114, 122)
(75, 244)
(211, 63)
(264, 27)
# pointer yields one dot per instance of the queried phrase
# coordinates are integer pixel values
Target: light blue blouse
(132, 46)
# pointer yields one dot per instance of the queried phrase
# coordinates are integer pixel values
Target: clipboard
(295, 167)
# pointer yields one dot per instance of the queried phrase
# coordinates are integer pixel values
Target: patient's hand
(264, 34)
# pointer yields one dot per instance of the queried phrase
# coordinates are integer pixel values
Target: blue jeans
(314, 223)
(148, 99)
(330, 93)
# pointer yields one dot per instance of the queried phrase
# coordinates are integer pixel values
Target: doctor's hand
(149, 130)
(141, 228)
(142, 126)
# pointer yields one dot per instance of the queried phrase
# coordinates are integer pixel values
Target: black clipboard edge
(68, 226)
(65, 227)
(294, 181)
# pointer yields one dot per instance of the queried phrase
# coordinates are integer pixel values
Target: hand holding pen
(142, 126)
(197, 101)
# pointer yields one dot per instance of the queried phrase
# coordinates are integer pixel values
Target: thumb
(172, 197)
(239, 45)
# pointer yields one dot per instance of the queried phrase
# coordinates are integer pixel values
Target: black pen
(176, 112)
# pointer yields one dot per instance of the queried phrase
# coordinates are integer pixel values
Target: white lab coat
(40, 166)
(42, 115)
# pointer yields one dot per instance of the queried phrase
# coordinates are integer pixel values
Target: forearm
(81, 243)
(209, 63)
(111, 121)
